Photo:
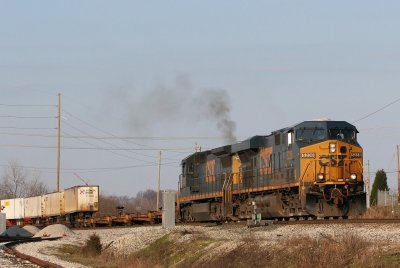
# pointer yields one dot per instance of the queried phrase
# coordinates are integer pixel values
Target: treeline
(143, 202)
(17, 182)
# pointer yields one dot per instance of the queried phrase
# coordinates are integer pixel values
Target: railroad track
(338, 221)
(12, 261)
(322, 221)
(264, 223)
(10, 257)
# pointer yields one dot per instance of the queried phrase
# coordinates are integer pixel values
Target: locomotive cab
(331, 168)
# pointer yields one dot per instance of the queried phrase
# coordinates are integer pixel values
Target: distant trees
(380, 183)
(15, 182)
(144, 201)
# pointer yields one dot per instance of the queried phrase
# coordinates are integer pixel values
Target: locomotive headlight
(353, 176)
(320, 177)
(332, 147)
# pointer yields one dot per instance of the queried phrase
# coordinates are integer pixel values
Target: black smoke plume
(169, 104)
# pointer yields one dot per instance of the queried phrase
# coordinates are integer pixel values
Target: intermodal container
(33, 207)
(13, 208)
(81, 199)
(51, 204)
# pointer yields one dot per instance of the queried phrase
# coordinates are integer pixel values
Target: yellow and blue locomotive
(312, 169)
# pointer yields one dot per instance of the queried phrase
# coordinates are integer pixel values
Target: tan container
(33, 207)
(51, 204)
(81, 199)
(13, 208)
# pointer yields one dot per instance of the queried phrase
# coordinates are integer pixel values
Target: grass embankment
(171, 250)
(387, 212)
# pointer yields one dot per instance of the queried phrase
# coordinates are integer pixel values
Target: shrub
(92, 246)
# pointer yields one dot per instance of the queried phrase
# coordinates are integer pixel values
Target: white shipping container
(81, 199)
(33, 207)
(51, 204)
(13, 208)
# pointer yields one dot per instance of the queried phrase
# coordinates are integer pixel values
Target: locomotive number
(356, 155)
(308, 155)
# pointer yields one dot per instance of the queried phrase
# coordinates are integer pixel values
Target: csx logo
(308, 155)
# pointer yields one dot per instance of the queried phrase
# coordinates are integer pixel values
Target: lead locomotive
(312, 169)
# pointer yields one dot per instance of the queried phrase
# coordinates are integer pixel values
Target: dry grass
(382, 213)
(326, 251)
(346, 250)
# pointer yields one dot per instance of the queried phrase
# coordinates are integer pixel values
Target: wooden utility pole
(398, 175)
(58, 142)
(158, 181)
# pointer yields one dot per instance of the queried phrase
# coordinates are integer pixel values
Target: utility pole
(158, 181)
(398, 175)
(58, 142)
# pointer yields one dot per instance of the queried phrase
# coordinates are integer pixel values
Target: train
(313, 169)
(77, 206)
(74, 206)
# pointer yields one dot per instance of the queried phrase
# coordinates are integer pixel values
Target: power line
(380, 109)
(110, 150)
(105, 132)
(27, 117)
(166, 138)
(27, 105)
(187, 150)
(85, 170)
(113, 137)
(116, 137)
(97, 137)
(27, 128)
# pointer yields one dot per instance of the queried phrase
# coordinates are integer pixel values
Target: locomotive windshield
(343, 134)
(311, 134)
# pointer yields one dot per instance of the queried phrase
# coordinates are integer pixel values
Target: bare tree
(35, 186)
(144, 201)
(13, 184)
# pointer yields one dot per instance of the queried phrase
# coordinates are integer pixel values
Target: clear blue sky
(139, 69)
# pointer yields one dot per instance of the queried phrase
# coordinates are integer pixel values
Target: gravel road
(124, 241)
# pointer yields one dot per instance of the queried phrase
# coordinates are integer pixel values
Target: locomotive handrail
(304, 173)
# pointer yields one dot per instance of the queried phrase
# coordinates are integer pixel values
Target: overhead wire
(26, 117)
(103, 141)
(27, 128)
(111, 150)
(66, 135)
(114, 136)
(380, 109)
(99, 129)
(26, 105)
(70, 170)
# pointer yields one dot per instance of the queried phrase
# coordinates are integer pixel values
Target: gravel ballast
(55, 230)
(124, 241)
(32, 229)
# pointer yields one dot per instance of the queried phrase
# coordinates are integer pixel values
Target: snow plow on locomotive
(313, 169)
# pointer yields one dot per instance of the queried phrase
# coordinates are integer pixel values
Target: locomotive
(313, 169)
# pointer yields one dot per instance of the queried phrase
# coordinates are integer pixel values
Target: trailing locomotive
(312, 169)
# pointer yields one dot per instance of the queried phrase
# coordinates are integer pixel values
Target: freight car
(74, 206)
(312, 169)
